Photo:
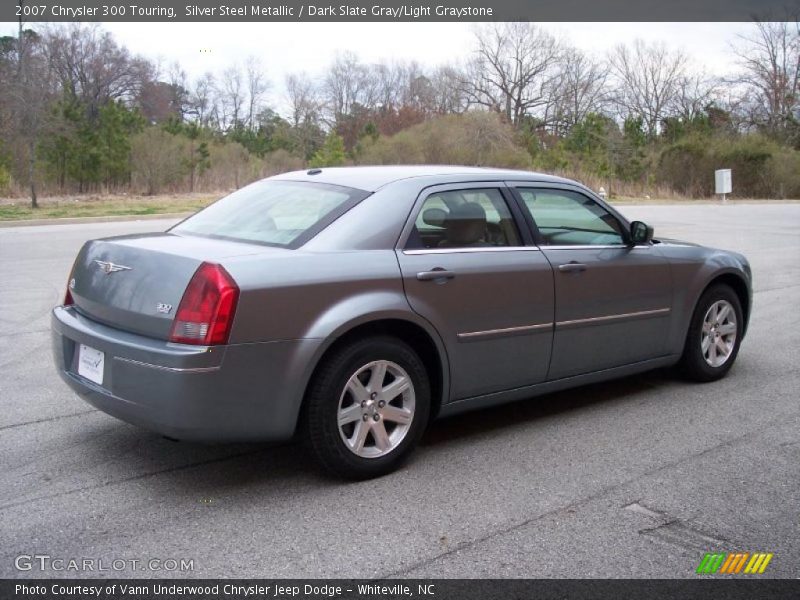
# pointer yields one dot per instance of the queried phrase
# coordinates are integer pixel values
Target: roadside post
(723, 183)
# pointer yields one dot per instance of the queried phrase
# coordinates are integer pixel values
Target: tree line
(79, 113)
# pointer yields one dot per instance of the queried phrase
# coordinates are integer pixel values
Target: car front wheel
(367, 407)
(714, 335)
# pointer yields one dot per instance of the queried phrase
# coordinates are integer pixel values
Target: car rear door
(613, 300)
(486, 288)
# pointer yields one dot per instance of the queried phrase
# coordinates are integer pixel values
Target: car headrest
(434, 216)
(466, 224)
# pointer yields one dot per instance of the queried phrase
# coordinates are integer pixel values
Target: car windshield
(276, 213)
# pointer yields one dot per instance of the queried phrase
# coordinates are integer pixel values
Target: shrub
(231, 167)
(157, 159)
(280, 161)
(474, 138)
(687, 167)
(785, 174)
(761, 168)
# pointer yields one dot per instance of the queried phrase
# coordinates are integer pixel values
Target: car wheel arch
(736, 282)
(695, 288)
(420, 336)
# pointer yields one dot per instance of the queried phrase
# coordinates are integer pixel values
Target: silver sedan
(354, 305)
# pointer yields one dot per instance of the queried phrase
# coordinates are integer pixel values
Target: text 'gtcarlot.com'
(45, 562)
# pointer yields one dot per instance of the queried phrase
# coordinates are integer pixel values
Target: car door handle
(572, 267)
(434, 274)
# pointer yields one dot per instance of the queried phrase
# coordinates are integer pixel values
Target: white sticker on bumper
(90, 364)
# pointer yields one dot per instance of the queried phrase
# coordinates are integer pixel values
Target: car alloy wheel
(367, 407)
(376, 409)
(718, 334)
(715, 332)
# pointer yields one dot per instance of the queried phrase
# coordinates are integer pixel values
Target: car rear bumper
(238, 392)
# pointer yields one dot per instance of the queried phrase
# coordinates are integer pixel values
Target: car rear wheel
(714, 335)
(367, 407)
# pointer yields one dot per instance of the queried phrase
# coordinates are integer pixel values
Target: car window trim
(517, 217)
(597, 247)
(468, 250)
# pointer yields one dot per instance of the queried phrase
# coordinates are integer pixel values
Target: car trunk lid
(136, 283)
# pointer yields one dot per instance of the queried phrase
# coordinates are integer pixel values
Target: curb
(79, 220)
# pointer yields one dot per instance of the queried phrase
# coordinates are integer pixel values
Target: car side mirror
(641, 233)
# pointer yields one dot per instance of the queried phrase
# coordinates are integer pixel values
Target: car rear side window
(566, 218)
(275, 213)
(470, 218)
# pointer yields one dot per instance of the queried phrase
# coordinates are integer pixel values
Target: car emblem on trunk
(110, 267)
(164, 308)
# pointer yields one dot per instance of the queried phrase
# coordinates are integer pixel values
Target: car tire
(714, 335)
(367, 407)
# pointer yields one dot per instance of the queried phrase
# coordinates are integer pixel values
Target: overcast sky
(292, 47)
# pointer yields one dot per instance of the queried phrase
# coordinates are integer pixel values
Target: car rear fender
(387, 313)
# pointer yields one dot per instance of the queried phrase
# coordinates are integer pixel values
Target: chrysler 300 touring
(354, 305)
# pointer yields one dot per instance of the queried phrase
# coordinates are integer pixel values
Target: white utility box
(723, 182)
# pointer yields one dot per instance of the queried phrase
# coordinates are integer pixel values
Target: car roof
(375, 177)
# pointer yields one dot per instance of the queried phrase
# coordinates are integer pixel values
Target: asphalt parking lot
(633, 478)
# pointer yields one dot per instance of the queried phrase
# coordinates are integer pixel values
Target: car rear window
(275, 213)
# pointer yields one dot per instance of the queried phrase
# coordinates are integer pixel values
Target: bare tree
(27, 118)
(341, 85)
(391, 84)
(449, 95)
(348, 84)
(770, 62)
(179, 85)
(24, 100)
(93, 68)
(302, 96)
(164, 96)
(257, 85)
(513, 69)
(647, 80)
(695, 93)
(202, 99)
(580, 89)
(305, 106)
(232, 95)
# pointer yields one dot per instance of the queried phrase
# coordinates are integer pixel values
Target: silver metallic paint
(295, 304)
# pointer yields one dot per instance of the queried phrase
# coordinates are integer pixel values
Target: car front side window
(566, 218)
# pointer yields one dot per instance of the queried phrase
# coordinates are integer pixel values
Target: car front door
(472, 272)
(613, 299)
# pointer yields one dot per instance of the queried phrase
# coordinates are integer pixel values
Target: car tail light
(205, 314)
(68, 301)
